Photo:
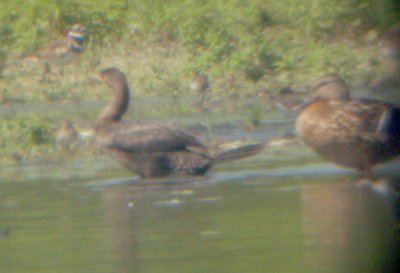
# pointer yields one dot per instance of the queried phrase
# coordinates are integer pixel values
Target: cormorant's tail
(239, 153)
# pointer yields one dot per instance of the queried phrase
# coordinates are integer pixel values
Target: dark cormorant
(152, 151)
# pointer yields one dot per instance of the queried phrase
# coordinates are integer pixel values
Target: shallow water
(241, 217)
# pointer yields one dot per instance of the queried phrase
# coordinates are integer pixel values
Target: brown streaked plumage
(200, 84)
(354, 133)
(152, 151)
(66, 136)
(62, 51)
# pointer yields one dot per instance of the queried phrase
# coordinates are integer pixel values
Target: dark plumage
(153, 151)
(354, 133)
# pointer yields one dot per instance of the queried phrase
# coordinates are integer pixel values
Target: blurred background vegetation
(245, 46)
(255, 37)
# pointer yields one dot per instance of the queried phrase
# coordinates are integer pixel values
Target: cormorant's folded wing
(151, 140)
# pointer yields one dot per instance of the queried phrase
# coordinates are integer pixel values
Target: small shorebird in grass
(60, 52)
(200, 84)
(66, 136)
(389, 43)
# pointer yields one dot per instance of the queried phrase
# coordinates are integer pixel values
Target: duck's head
(330, 87)
(389, 43)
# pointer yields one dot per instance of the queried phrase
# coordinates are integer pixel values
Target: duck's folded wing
(361, 119)
(151, 140)
(367, 115)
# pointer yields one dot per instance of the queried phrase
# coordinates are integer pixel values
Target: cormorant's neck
(114, 111)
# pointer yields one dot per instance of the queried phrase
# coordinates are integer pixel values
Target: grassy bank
(250, 50)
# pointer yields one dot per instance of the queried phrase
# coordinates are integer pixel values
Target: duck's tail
(390, 122)
(239, 153)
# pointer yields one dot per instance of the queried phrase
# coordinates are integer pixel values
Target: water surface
(241, 217)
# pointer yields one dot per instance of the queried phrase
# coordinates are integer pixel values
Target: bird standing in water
(149, 150)
(62, 51)
(354, 133)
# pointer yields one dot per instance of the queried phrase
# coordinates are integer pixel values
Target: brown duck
(354, 133)
(152, 151)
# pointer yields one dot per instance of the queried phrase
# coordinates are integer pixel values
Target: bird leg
(367, 172)
(45, 72)
(61, 72)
